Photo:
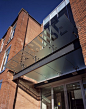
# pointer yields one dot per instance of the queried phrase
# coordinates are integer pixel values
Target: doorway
(65, 96)
(59, 102)
(75, 100)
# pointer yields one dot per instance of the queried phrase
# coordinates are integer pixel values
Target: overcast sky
(9, 9)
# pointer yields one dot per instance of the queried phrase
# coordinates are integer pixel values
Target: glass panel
(58, 67)
(62, 12)
(59, 102)
(46, 98)
(0, 83)
(54, 20)
(84, 85)
(60, 32)
(70, 14)
(74, 96)
(46, 25)
(6, 58)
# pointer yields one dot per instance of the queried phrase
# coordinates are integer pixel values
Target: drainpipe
(16, 94)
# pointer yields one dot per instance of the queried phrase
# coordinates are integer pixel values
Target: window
(12, 33)
(6, 55)
(2, 44)
(0, 83)
(46, 98)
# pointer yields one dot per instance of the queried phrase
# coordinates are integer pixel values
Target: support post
(52, 97)
(66, 97)
(83, 94)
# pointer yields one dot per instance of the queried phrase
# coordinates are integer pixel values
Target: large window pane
(70, 14)
(75, 96)
(59, 102)
(6, 58)
(0, 83)
(46, 98)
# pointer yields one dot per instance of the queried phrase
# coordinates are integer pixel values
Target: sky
(38, 9)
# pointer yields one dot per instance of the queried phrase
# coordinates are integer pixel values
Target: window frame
(2, 44)
(12, 33)
(5, 59)
(1, 83)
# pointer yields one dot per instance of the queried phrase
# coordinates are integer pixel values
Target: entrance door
(65, 96)
(59, 102)
(75, 99)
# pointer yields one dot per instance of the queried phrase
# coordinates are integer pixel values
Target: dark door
(75, 100)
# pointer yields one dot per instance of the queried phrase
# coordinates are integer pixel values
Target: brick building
(42, 66)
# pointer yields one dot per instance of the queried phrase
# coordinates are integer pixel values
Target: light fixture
(72, 98)
(74, 73)
(46, 81)
(73, 85)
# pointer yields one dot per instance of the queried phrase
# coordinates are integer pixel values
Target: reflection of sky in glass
(0, 85)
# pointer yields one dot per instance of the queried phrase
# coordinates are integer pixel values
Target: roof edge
(28, 14)
(22, 9)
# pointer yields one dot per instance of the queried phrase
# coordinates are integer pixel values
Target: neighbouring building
(43, 66)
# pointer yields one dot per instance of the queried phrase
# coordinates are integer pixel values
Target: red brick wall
(18, 40)
(7, 92)
(33, 30)
(79, 14)
(25, 101)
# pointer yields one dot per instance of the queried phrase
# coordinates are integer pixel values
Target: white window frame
(2, 68)
(12, 33)
(2, 44)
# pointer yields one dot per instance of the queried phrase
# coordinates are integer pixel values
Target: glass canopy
(55, 37)
(64, 65)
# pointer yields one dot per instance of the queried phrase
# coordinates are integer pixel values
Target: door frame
(65, 93)
(64, 83)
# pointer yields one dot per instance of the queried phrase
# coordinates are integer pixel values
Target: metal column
(83, 94)
(66, 97)
(52, 97)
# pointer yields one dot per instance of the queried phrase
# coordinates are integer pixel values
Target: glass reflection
(59, 102)
(75, 100)
(46, 98)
